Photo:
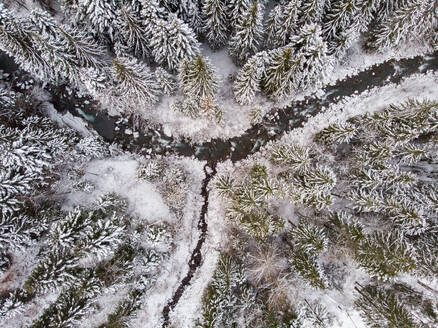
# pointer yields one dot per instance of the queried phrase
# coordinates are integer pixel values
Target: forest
(331, 223)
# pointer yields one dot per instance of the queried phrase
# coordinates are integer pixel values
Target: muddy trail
(196, 257)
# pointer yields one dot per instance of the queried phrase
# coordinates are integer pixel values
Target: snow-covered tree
(18, 41)
(216, 22)
(311, 11)
(166, 81)
(197, 78)
(100, 14)
(312, 55)
(172, 42)
(235, 8)
(151, 14)
(248, 33)
(282, 73)
(133, 31)
(247, 82)
(189, 11)
(135, 83)
(385, 255)
(381, 308)
(282, 23)
(415, 20)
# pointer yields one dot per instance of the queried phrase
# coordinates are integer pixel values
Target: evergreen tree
(312, 55)
(380, 308)
(166, 81)
(151, 14)
(19, 42)
(189, 12)
(282, 23)
(100, 14)
(311, 11)
(248, 33)
(216, 22)
(385, 255)
(235, 8)
(415, 19)
(134, 82)
(133, 31)
(282, 73)
(197, 78)
(337, 133)
(172, 42)
(247, 82)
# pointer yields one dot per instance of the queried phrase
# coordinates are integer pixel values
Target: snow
(119, 175)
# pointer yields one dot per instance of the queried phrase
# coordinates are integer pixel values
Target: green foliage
(337, 133)
(227, 296)
(197, 78)
(381, 309)
(248, 32)
(385, 255)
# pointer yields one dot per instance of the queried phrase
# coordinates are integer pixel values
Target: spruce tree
(417, 19)
(248, 33)
(133, 31)
(282, 73)
(311, 11)
(282, 23)
(312, 51)
(100, 14)
(385, 255)
(216, 22)
(134, 82)
(166, 81)
(380, 308)
(197, 78)
(18, 41)
(172, 42)
(247, 82)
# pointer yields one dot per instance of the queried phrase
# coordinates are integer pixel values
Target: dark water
(275, 123)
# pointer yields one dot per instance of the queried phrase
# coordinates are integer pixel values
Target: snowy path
(196, 257)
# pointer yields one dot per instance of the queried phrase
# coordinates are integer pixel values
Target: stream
(274, 124)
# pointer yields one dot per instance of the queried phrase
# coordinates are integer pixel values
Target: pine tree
(235, 8)
(216, 22)
(151, 14)
(18, 42)
(385, 255)
(415, 19)
(312, 55)
(380, 308)
(247, 82)
(282, 73)
(133, 31)
(197, 78)
(311, 11)
(172, 42)
(100, 14)
(337, 133)
(134, 82)
(297, 158)
(309, 238)
(189, 12)
(248, 33)
(166, 81)
(282, 23)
